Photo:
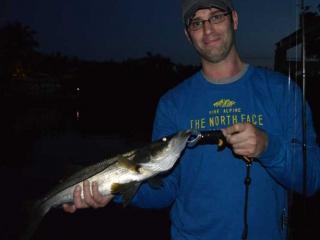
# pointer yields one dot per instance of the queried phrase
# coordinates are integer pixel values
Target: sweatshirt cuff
(269, 156)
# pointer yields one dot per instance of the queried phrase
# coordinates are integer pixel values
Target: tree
(17, 46)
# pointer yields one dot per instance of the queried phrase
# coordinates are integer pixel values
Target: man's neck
(224, 69)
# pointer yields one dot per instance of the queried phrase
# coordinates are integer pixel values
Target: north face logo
(224, 103)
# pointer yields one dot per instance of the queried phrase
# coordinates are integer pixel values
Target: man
(260, 115)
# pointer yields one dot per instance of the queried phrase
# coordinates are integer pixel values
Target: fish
(120, 175)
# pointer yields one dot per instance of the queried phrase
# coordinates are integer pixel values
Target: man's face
(213, 41)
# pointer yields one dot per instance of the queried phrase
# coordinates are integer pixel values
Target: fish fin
(127, 191)
(125, 162)
(155, 182)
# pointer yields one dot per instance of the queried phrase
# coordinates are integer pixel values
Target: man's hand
(94, 200)
(246, 139)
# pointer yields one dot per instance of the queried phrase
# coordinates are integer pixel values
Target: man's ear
(235, 20)
(187, 35)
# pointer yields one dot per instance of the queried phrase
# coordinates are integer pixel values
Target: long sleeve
(283, 158)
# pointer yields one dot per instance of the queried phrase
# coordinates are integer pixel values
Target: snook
(121, 174)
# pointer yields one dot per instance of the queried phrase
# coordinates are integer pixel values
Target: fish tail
(35, 216)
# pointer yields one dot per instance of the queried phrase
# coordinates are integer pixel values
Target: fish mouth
(183, 137)
(186, 134)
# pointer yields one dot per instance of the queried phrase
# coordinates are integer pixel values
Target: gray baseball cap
(189, 7)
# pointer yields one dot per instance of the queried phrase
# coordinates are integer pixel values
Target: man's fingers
(244, 152)
(87, 195)
(91, 198)
(70, 208)
(246, 139)
(78, 201)
(239, 146)
(100, 200)
(236, 139)
(236, 128)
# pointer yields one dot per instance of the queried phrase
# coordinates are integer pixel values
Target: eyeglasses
(197, 24)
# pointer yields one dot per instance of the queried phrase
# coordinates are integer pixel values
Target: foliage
(17, 47)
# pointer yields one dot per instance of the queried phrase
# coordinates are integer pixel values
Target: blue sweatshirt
(206, 188)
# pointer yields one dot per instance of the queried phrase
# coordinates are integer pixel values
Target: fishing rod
(304, 119)
(301, 35)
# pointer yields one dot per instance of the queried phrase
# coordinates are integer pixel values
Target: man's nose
(208, 27)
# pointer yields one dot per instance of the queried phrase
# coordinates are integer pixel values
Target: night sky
(112, 29)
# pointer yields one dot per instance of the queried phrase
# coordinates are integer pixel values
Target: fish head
(166, 151)
(176, 143)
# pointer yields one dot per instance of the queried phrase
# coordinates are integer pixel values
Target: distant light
(78, 89)
(77, 115)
